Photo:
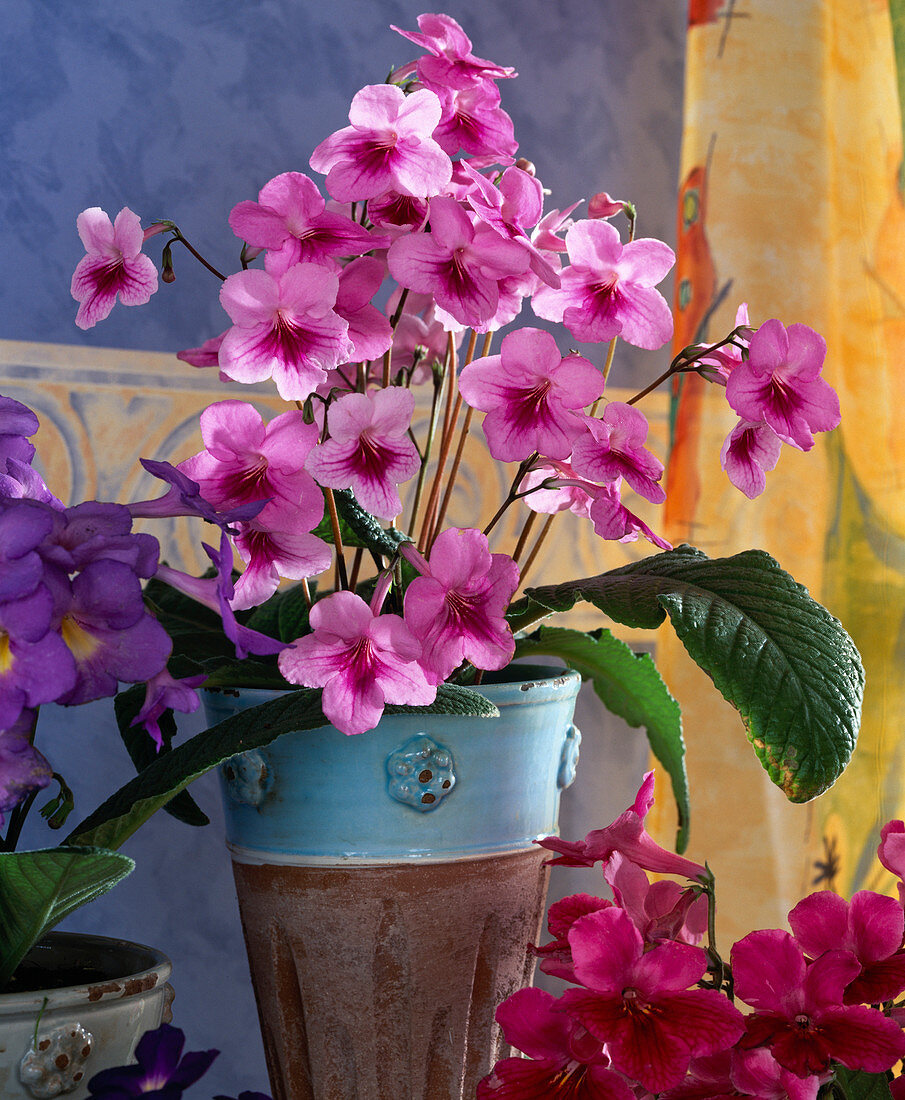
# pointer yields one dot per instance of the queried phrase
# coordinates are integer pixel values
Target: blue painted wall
(179, 109)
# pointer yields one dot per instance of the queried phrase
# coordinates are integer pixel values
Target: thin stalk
(611, 352)
(523, 537)
(342, 580)
(428, 447)
(177, 236)
(306, 592)
(16, 821)
(450, 484)
(513, 494)
(545, 530)
(683, 362)
(453, 404)
(356, 567)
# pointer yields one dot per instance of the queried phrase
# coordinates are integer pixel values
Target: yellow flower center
(82, 645)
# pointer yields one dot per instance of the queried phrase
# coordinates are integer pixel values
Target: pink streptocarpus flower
(603, 205)
(661, 910)
(474, 121)
(290, 216)
(246, 460)
(799, 1011)
(370, 332)
(555, 487)
(721, 362)
(780, 383)
(368, 450)
(114, 265)
(206, 355)
(532, 396)
(388, 147)
(563, 1061)
(362, 660)
(450, 62)
(626, 835)
(637, 1000)
(284, 327)
(609, 288)
(612, 447)
(457, 607)
(458, 265)
(748, 452)
(612, 520)
(870, 926)
(891, 852)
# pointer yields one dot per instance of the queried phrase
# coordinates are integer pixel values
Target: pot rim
(118, 986)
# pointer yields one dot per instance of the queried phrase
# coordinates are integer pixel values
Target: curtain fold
(790, 199)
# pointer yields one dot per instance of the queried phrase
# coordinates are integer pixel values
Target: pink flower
(530, 394)
(418, 345)
(613, 447)
(565, 490)
(891, 852)
(361, 660)
(370, 333)
(780, 383)
(661, 910)
(563, 1059)
(207, 355)
(450, 62)
(609, 288)
(275, 547)
(556, 956)
(749, 450)
(473, 121)
(246, 460)
(612, 520)
(637, 1000)
(757, 1073)
(870, 926)
(799, 1012)
(457, 607)
(721, 362)
(388, 147)
(458, 265)
(284, 327)
(628, 836)
(290, 215)
(368, 450)
(114, 265)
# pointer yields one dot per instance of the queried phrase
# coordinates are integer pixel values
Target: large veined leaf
(777, 655)
(629, 685)
(858, 1084)
(116, 819)
(39, 888)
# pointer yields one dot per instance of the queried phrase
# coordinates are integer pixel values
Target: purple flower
(457, 607)
(362, 660)
(164, 693)
(388, 147)
(113, 267)
(22, 768)
(17, 423)
(185, 499)
(532, 396)
(162, 1069)
(24, 525)
(35, 664)
(780, 383)
(609, 288)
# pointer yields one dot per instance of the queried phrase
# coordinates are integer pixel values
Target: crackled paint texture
(179, 109)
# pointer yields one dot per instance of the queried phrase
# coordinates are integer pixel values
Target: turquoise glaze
(319, 795)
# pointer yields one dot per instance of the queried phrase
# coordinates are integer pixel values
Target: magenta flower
(164, 693)
(418, 344)
(531, 395)
(891, 852)
(556, 956)
(285, 327)
(555, 487)
(757, 1073)
(450, 62)
(637, 1001)
(780, 384)
(563, 1059)
(207, 355)
(457, 607)
(362, 661)
(661, 910)
(246, 460)
(628, 836)
(388, 147)
(613, 447)
(459, 266)
(870, 926)
(609, 288)
(748, 452)
(290, 216)
(474, 121)
(799, 1011)
(22, 768)
(721, 362)
(370, 332)
(368, 450)
(612, 520)
(113, 267)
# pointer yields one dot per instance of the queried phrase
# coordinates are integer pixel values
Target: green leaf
(116, 819)
(142, 750)
(777, 655)
(857, 1084)
(39, 888)
(292, 617)
(629, 685)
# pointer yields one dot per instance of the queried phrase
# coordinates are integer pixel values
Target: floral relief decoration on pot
(248, 778)
(56, 1063)
(568, 761)
(421, 773)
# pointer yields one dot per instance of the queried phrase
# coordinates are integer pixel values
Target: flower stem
(523, 537)
(177, 236)
(342, 580)
(513, 493)
(535, 550)
(428, 447)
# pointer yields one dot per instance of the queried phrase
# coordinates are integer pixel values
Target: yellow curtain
(791, 199)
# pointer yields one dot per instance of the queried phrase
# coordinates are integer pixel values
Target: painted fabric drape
(791, 199)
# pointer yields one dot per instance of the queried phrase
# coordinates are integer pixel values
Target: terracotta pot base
(358, 971)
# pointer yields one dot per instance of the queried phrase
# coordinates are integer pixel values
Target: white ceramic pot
(54, 1040)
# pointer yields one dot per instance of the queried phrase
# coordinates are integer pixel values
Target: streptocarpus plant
(653, 1008)
(431, 241)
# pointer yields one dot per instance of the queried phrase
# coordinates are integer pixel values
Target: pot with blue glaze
(389, 886)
